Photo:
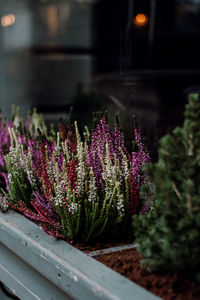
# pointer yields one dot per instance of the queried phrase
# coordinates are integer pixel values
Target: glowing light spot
(140, 20)
(7, 20)
(52, 19)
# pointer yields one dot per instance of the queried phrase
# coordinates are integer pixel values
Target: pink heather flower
(4, 145)
(96, 150)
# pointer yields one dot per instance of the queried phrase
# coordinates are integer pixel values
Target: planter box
(35, 266)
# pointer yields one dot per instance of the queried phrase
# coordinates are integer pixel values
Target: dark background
(92, 55)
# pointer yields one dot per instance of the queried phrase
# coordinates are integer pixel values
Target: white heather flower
(120, 205)
(108, 192)
(60, 195)
(111, 171)
(13, 153)
(10, 178)
(108, 174)
(29, 171)
(81, 168)
(50, 172)
(73, 208)
(125, 167)
(92, 188)
(80, 177)
(58, 148)
(3, 203)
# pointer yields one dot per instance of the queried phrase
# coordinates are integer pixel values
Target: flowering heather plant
(17, 165)
(83, 189)
(4, 147)
(5, 124)
(24, 129)
(34, 122)
(24, 176)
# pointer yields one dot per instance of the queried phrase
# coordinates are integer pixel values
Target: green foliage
(169, 235)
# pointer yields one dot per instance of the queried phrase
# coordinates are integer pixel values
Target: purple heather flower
(96, 150)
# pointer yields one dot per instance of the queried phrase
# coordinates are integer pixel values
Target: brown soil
(169, 286)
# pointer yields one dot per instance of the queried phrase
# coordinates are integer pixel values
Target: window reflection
(45, 54)
(133, 50)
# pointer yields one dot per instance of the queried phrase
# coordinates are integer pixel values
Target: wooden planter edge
(35, 266)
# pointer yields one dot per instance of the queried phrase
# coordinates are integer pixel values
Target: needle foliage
(169, 235)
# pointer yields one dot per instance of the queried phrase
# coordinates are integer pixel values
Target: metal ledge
(36, 266)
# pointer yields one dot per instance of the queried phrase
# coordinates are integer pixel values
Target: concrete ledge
(35, 266)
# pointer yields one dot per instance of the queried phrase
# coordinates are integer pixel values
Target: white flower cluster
(120, 205)
(108, 193)
(10, 179)
(3, 203)
(109, 170)
(109, 174)
(58, 148)
(29, 170)
(50, 172)
(81, 169)
(65, 150)
(73, 208)
(92, 188)
(59, 195)
(16, 154)
(37, 121)
(20, 161)
(125, 167)
(31, 177)
(80, 177)
(13, 153)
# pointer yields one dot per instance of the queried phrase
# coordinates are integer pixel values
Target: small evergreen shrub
(169, 235)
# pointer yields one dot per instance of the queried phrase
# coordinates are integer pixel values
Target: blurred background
(138, 57)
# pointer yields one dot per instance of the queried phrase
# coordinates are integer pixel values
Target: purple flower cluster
(4, 145)
(96, 150)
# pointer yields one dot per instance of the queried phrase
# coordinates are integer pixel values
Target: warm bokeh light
(140, 20)
(52, 19)
(7, 20)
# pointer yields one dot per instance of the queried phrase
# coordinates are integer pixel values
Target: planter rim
(64, 268)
